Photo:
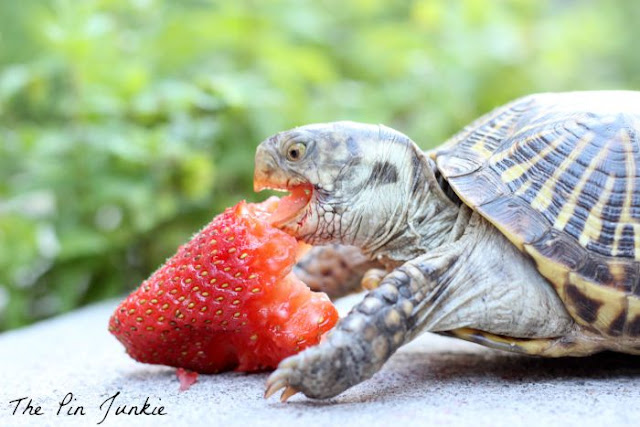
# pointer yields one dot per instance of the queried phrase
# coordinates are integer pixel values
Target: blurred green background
(125, 125)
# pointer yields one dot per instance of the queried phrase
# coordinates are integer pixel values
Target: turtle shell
(559, 176)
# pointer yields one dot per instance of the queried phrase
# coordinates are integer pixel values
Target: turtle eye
(296, 151)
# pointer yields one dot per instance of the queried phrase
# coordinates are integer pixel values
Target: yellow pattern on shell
(569, 164)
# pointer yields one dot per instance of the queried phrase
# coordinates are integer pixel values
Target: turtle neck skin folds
(384, 200)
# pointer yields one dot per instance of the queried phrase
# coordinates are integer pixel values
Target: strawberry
(227, 300)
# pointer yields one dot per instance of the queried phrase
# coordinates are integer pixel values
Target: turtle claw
(372, 278)
(317, 372)
(281, 379)
(287, 393)
(277, 381)
(273, 387)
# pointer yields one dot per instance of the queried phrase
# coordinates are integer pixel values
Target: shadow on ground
(410, 374)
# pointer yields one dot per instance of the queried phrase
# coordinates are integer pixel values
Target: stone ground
(432, 381)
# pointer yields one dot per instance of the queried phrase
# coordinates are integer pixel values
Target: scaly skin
(373, 188)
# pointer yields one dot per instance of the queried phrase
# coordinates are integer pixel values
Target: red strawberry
(226, 300)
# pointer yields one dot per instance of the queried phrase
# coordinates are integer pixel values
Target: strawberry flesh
(227, 300)
(186, 378)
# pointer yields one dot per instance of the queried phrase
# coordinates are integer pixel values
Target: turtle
(520, 233)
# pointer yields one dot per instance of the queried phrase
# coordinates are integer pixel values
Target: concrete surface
(432, 381)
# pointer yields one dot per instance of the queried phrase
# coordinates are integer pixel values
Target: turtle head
(346, 179)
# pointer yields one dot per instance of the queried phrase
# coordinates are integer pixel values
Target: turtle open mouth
(291, 207)
(270, 175)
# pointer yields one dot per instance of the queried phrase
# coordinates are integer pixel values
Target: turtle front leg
(479, 282)
(365, 339)
(336, 270)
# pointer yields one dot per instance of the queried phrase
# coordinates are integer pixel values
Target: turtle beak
(267, 175)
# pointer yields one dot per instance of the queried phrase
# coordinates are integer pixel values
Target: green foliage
(126, 124)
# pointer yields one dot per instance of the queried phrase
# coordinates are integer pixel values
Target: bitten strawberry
(226, 300)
